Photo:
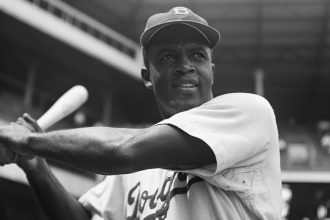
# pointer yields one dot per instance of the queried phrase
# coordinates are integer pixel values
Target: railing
(65, 23)
(89, 25)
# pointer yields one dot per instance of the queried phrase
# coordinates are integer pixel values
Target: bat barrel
(64, 106)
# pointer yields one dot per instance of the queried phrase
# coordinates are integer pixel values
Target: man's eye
(198, 55)
(167, 57)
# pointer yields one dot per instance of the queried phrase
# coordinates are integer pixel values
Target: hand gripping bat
(65, 105)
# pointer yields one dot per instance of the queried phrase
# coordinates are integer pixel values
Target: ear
(213, 71)
(145, 74)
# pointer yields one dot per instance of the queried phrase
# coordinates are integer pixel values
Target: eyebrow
(205, 49)
(160, 51)
(199, 48)
(171, 47)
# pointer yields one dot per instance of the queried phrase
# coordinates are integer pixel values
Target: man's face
(180, 70)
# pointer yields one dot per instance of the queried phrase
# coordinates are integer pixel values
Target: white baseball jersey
(245, 182)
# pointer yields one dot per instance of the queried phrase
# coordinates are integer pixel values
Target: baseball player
(210, 158)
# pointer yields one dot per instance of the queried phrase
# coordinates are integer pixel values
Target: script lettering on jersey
(142, 199)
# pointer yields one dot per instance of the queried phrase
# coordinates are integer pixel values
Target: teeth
(187, 85)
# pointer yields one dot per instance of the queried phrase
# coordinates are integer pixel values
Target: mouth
(185, 83)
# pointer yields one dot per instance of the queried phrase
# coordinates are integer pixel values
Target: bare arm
(55, 201)
(114, 150)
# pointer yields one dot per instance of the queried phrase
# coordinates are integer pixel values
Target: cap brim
(211, 34)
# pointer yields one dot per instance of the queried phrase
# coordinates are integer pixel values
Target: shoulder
(232, 109)
(244, 101)
(244, 98)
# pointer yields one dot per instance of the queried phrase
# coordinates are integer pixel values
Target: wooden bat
(65, 105)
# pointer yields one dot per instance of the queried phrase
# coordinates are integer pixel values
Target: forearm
(96, 149)
(56, 202)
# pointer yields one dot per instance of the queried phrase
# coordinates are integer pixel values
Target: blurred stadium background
(276, 48)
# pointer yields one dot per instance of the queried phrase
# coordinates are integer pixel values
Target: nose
(184, 65)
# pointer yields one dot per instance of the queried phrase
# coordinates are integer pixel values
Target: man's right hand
(29, 122)
(29, 163)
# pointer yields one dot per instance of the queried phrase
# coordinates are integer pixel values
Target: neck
(167, 113)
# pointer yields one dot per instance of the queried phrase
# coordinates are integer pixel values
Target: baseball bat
(65, 105)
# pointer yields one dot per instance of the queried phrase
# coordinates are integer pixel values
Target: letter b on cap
(180, 11)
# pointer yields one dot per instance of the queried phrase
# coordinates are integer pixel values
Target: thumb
(32, 121)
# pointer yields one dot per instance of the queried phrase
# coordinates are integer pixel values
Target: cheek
(161, 87)
(160, 83)
(208, 76)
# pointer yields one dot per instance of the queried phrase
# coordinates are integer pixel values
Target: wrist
(29, 144)
(36, 165)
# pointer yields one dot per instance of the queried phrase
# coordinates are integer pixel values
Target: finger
(23, 122)
(32, 121)
(19, 120)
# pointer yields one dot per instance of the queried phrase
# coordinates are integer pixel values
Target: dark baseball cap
(179, 15)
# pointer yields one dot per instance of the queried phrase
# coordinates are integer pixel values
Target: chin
(177, 105)
(185, 105)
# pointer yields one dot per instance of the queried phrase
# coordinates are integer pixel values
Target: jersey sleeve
(235, 126)
(105, 200)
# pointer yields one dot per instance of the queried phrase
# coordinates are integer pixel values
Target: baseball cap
(179, 15)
